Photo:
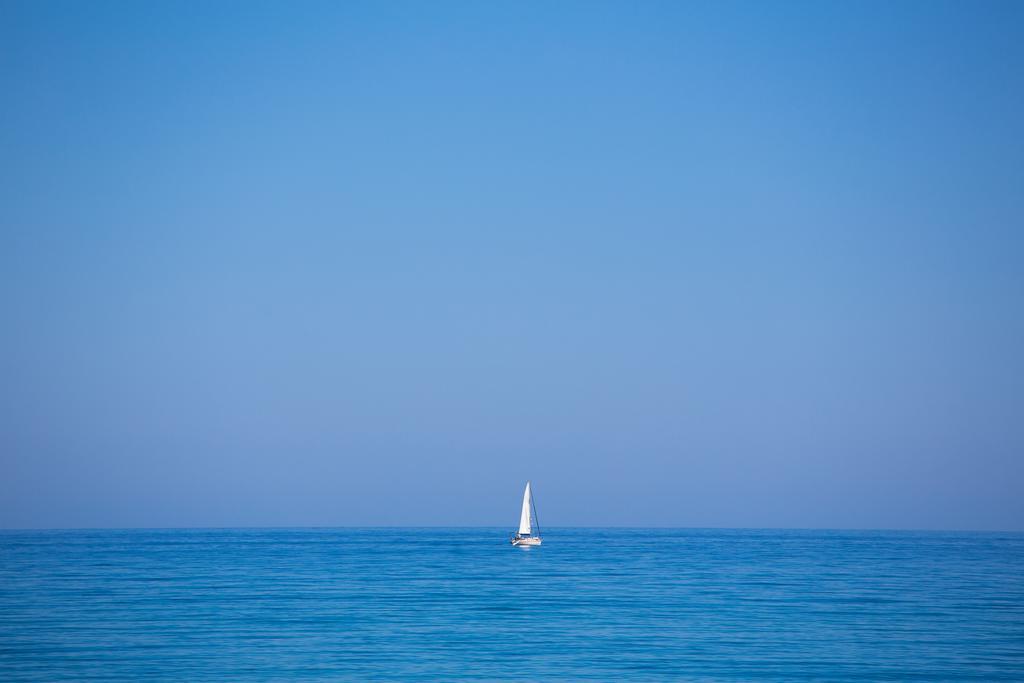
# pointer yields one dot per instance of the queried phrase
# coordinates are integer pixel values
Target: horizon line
(444, 526)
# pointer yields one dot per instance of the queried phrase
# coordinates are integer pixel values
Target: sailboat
(525, 535)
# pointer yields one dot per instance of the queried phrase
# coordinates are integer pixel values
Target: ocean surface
(461, 604)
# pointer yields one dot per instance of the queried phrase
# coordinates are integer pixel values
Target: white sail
(524, 519)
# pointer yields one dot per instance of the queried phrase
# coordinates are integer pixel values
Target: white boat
(526, 536)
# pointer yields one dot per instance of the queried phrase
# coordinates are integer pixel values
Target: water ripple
(460, 604)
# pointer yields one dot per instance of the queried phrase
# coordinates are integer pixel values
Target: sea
(459, 604)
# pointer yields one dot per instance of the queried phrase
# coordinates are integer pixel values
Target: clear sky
(684, 264)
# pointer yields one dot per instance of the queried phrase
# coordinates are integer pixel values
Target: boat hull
(525, 541)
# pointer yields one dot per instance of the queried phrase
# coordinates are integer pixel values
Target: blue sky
(681, 264)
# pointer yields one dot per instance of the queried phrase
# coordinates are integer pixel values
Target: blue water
(461, 604)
